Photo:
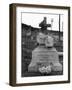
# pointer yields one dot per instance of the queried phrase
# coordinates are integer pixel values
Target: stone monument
(44, 55)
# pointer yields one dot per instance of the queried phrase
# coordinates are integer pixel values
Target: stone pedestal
(44, 56)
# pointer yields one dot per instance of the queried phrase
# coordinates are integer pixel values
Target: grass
(31, 74)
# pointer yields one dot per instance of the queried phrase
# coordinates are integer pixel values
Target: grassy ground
(30, 74)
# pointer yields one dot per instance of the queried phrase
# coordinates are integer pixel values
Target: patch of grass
(31, 74)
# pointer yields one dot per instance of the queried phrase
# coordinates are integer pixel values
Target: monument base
(43, 56)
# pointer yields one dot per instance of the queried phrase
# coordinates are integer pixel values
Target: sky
(34, 19)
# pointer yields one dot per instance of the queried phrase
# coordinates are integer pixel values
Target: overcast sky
(34, 19)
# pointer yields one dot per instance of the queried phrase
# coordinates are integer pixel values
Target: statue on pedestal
(45, 57)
